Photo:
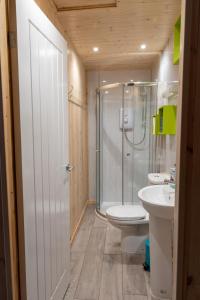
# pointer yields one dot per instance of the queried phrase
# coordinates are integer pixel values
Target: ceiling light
(104, 81)
(106, 92)
(131, 80)
(143, 46)
(127, 91)
(95, 49)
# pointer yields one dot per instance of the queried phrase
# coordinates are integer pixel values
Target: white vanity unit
(159, 200)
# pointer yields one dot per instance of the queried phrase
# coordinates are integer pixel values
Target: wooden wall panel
(74, 112)
(78, 158)
(85, 152)
(69, 3)
(78, 138)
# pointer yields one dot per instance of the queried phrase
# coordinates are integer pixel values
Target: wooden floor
(99, 270)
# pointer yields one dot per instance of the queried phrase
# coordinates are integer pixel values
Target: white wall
(164, 71)
(94, 80)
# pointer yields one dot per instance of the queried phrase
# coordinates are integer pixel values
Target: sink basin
(158, 200)
(158, 178)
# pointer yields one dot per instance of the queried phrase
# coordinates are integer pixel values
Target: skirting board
(91, 201)
(88, 202)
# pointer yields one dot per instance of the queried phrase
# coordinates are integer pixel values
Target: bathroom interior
(123, 88)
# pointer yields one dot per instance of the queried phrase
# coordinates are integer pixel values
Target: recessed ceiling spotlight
(143, 46)
(104, 81)
(95, 49)
(131, 80)
(127, 91)
(106, 92)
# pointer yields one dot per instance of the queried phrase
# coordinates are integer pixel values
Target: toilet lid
(126, 212)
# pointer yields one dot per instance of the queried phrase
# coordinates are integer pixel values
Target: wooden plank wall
(7, 114)
(78, 140)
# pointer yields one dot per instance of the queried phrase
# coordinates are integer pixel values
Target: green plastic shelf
(164, 122)
(167, 119)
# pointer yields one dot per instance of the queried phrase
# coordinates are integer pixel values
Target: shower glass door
(124, 143)
(136, 141)
(109, 148)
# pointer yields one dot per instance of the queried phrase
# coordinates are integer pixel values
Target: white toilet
(133, 220)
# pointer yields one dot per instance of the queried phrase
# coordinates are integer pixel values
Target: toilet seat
(126, 213)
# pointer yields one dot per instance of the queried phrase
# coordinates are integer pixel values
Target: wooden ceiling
(118, 28)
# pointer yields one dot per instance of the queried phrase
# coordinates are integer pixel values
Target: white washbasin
(158, 178)
(158, 200)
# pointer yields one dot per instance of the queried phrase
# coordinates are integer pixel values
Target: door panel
(43, 111)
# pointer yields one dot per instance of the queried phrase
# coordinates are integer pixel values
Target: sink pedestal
(161, 258)
(159, 202)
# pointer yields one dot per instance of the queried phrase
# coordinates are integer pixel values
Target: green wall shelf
(164, 123)
(177, 38)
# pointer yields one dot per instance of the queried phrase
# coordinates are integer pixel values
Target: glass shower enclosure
(125, 146)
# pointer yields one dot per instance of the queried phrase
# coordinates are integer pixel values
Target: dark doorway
(5, 275)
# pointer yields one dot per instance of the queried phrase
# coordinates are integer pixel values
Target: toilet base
(153, 297)
(133, 238)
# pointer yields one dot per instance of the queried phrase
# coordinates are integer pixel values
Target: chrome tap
(172, 180)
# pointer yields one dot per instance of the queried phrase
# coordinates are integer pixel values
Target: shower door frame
(98, 139)
(99, 147)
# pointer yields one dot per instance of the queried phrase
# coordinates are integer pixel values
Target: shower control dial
(126, 118)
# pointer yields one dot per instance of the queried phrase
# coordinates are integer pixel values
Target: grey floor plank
(76, 266)
(133, 259)
(81, 241)
(89, 281)
(111, 282)
(133, 276)
(96, 265)
(97, 240)
(113, 240)
(100, 222)
(89, 218)
(135, 297)
(89, 214)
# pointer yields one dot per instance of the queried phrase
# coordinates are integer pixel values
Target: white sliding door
(42, 57)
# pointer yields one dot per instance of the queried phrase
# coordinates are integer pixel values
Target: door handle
(69, 168)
